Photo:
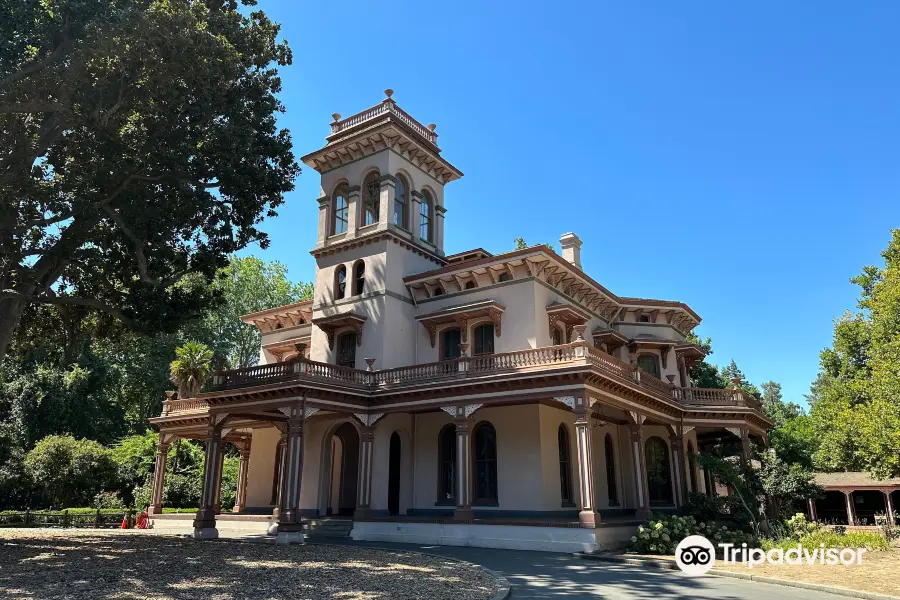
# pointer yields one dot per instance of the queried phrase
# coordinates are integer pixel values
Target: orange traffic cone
(125, 523)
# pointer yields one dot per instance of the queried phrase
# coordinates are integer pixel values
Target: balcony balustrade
(546, 358)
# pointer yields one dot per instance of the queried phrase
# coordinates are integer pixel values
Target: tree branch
(37, 65)
(69, 301)
(139, 256)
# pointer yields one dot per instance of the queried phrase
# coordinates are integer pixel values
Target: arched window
(346, 356)
(447, 465)
(340, 282)
(485, 463)
(470, 285)
(504, 277)
(359, 278)
(425, 209)
(649, 363)
(659, 477)
(401, 191)
(612, 491)
(340, 210)
(484, 339)
(450, 339)
(692, 466)
(371, 199)
(565, 465)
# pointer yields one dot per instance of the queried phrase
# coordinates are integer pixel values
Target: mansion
(475, 399)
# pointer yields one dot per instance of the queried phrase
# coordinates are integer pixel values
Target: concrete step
(333, 528)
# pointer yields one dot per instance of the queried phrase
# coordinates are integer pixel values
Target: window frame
(337, 354)
(426, 217)
(655, 359)
(668, 497)
(479, 329)
(340, 287)
(447, 463)
(401, 184)
(359, 279)
(340, 192)
(443, 347)
(490, 465)
(566, 487)
(612, 482)
(371, 199)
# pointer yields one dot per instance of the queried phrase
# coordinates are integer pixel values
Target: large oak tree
(138, 143)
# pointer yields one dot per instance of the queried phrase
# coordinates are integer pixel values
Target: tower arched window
(401, 201)
(359, 278)
(485, 463)
(565, 465)
(649, 363)
(426, 209)
(659, 476)
(371, 198)
(340, 282)
(612, 491)
(340, 210)
(447, 465)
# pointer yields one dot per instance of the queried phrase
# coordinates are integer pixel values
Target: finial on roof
(336, 117)
(432, 127)
(389, 92)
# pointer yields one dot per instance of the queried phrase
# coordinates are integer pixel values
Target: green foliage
(702, 507)
(69, 471)
(247, 285)
(871, 541)
(888, 527)
(856, 398)
(661, 534)
(190, 368)
(138, 144)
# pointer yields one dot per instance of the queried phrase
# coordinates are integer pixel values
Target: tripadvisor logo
(696, 555)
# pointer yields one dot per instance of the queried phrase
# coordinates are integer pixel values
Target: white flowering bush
(661, 534)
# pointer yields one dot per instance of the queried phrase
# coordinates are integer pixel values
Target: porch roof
(854, 479)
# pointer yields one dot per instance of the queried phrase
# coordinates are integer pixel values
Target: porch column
(159, 476)
(279, 475)
(640, 467)
(463, 468)
(289, 522)
(240, 501)
(588, 516)
(205, 520)
(676, 445)
(364, 482)
(217, 503)
(888, 505)
(851, 513)
(812, 510)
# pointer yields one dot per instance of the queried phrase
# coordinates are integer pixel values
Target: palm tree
(190, 368)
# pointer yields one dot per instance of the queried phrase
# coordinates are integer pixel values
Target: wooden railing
(575, 354)
(388, 106)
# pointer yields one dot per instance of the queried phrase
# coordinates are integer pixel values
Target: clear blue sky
(743, 160)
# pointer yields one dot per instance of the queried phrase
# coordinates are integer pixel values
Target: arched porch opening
(340, 461)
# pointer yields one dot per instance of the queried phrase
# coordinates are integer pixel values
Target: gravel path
(78, 564)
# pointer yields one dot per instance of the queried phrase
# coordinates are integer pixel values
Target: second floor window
(346, 356)
(371, 199)
(450, 339)
(649, 363)
(484, 339)
(359, 277)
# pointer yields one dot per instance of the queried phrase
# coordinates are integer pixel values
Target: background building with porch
(496, 400)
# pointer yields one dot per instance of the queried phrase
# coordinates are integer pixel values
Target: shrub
(888, 527)
(854, 539)
(70, 471)
(702, 507)
(108, 500)
(661, 535)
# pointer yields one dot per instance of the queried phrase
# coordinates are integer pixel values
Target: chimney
(571, 248)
